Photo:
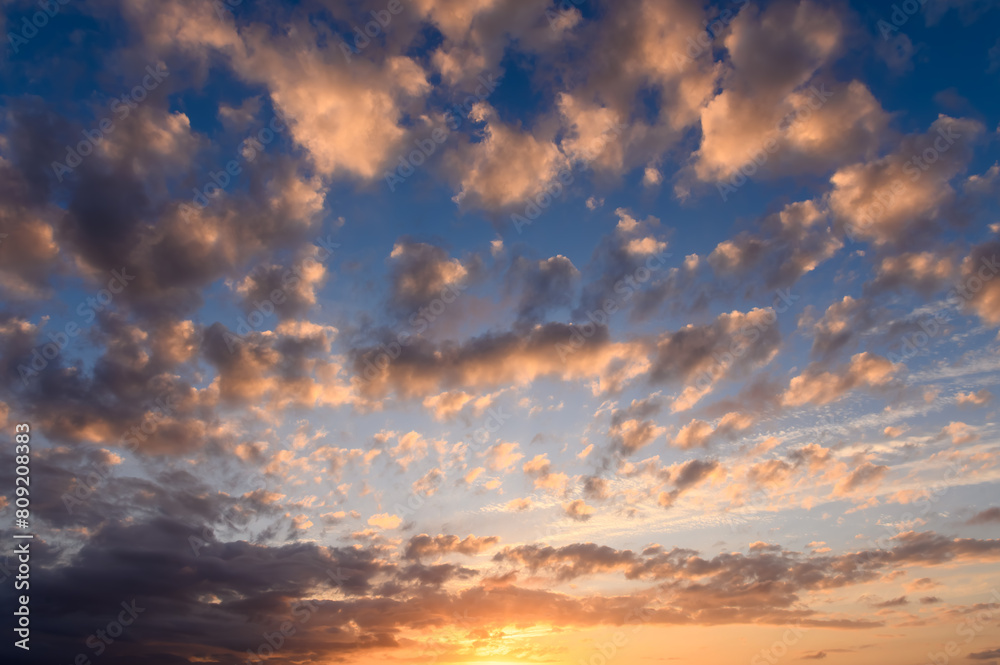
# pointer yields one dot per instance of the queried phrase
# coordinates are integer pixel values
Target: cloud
(699, 433)
(29, 243)
(518, 505)
(133, 398)
(923, 272)
(154, 140)
(477, 33)
(409, 448)
(959, 433)
(385, 521)
(351, 123)
(625, 260)
(631, 435)
(539, 468)
(986, 516)
(306, 444)
(424, 546)
(686, 476)
(814, 386)
(791, 243)
(701, 355)
(542, 286)
(590, 129)
(448, 405)
(288, 291)
(774, 108)
(429, 483)
(258, 585)
(650, 40)
(506, 168)
(422, 272)
(597, 488)
(893, 602)
(505, 358)
(896, 198)
(842, 323)
(921, 583)
(292, 366)
(979, 289)
(985, 655)
(503, 455)
(979, 398)
(864, 476)
(578, 510)
(768, 578)
(631, 429)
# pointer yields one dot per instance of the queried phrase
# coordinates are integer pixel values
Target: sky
(500, 331)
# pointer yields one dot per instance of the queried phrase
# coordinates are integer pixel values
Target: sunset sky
(502, 331)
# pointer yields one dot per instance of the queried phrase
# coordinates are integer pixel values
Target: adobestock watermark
(930, 327)
(247, 151)
(491, 424)
(871, 213)
(756, 158)
(974, 283)
(606, 651)
(969, 628)
(914, 168)
(302, 611)
(87, 309)
(414, 502)
(933, 325)
(779, 648)
(363, 38)
(420, 321)
(901, 13)
(625, 288)
(758, 500)
(427, 146)
(263, 309)
(100, 640)
(748, 334)
(551, 530)
(156, 411)
(534, 206)
(233, 517)
(458, 629)
(878, 547)
(713, 27)
(764, 493)
(29, 28)
(121, 107)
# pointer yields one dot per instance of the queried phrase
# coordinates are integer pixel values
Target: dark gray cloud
(421, 273)
(787, 245)
(989, 654)
(986, 516)
(541, 286)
